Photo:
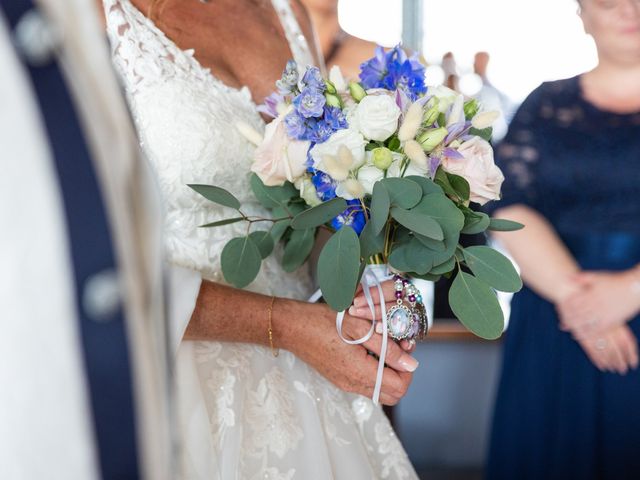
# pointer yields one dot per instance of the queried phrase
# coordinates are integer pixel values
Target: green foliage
(476, 306)
(298, 249)
(379, 210)
(493, 268)
(240, 260)
(418, 222)
(217, 195)
(500, 225)
(264, 242)
(475, 222)
(339, 268)
(220, 223)
(370, 243)
(403, 193)
(319, 215)
(272, 197)
(485, 133)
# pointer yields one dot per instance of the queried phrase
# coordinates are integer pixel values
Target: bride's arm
(308, 331)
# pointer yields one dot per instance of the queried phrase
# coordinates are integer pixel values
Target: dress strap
(297, 41)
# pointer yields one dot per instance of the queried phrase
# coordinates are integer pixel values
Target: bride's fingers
(365, 312)
(388, 290)
(408, 345)
(396, 357)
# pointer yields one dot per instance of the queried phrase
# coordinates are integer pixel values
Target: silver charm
(399, 321)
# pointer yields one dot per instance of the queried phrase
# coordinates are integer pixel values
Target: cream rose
(478, 168)
(377, 117)
(279, 158)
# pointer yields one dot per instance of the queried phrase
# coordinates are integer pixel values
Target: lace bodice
(186, 119)
(576, 164)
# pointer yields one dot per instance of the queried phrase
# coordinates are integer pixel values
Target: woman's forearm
(545, 262)
(229, 314)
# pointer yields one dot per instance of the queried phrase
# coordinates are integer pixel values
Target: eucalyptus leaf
(279, 227)
(379, 209)
(403, 192)
(370, 243)
(418, 222)
(428, 186)
(298, 249)
(217, 195)
(475, 222)
(446, 213)
(435, 245)
(444, 267)
(271, 197)
(339, 268)
(501, 225)
(240, 260)
(411, 257)
(319, 215)
(492, 267)
(485, 133)
(460, 186)
(219, 223)
(476, 306)
(264, 242)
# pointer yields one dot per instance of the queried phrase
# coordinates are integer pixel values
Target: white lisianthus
(457, 111)
(411, 169)
(278, 158)
(368, 175)
(478, 168)
(485, 119)
(350, 139)
(446, 97)
(377, 117)
(336, 77)
(411, 122)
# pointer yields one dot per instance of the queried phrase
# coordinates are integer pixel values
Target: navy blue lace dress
(556, 416)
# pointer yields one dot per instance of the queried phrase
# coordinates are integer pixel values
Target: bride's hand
(362, 310)
(350, 367)
(604, 300)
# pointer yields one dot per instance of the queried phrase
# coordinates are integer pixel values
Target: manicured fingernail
(352, 310)
(358, 302)
(408, 363)
(378, 327)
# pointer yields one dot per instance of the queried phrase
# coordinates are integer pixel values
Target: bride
(245, 411)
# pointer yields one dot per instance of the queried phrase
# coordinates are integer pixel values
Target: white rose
(478, 168)
(377, 117)
(279, 158)
(368, 175)
(349, 138)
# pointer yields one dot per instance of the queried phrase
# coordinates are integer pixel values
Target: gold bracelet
(274, 351)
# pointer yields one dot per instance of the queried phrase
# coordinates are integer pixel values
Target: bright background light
(530, 41)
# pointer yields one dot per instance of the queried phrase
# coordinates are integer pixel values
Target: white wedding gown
(244, 414)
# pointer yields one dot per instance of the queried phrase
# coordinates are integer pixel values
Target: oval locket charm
(399, 321)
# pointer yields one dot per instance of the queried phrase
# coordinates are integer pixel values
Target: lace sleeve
(518, 154)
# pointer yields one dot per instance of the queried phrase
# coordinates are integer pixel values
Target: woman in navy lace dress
(568, 404)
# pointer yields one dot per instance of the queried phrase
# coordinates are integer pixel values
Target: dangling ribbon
(366, 286)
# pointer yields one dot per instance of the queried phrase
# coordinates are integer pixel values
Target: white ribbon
(369, 273)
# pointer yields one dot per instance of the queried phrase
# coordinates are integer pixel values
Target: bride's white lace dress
(244, 413)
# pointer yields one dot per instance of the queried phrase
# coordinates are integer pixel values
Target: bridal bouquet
(393, 169)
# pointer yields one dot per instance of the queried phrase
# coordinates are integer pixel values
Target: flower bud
(330, 87)
(382, 157)
(332, 100)
(431, 113)
(308, 191)
(432, 138)
(356, 91)
(471, 108)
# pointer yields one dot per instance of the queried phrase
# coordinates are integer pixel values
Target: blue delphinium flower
(335, 118)
(318, 131)
(295, 125)
(325, 185)
(289, 80)
(310, 103)
(312, 79)
(394, 70)
(352, 216)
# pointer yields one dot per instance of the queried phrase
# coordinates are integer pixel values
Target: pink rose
(478, 168)
(279, 158)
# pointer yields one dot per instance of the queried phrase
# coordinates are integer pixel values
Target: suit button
(102, 297)
(36, 39)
